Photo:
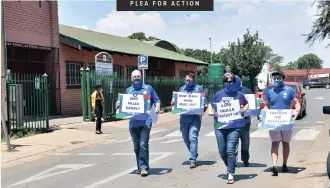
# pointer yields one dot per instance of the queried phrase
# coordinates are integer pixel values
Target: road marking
(88, 154)
(259, 134)
(46, 174)
(320, 122)
(175, 133)
(62, 153)
(114, 141)
(301, 122)
(312, 127)
(157, 131)
(170, 141)
(307, 134)
(321, 97)
(160, 138)
(211, 134)
(99, 183)
(154, 153)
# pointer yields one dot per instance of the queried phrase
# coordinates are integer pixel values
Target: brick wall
(27, 22)
(185, 67)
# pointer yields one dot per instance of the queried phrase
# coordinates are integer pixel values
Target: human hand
(117, 105)
(172, 103)
(202, 114)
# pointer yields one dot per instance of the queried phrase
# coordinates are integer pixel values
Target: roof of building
(102, 41)
(305, 72)
(163, 44)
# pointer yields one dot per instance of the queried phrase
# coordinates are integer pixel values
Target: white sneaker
(230, 178)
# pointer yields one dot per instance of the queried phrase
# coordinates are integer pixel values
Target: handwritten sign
(188, 103)
(254, 105)
(133, 106)
(276, 119)
(229, 115)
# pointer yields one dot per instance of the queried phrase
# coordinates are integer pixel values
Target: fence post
(88, 92)
(83, 93)
(45, 76)
(8, 82)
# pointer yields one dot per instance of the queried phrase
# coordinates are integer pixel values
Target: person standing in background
(97, 100)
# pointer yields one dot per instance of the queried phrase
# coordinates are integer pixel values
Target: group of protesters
(227, 134)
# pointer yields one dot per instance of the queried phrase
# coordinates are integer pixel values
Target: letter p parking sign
(142, 62)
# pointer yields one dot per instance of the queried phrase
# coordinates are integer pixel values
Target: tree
(246, 57)
(291, 65)
(139, 36)
(309, 61)
(321, 26)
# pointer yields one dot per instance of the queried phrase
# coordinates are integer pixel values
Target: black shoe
(275, 171)
(246, 163)
(192, 165)
(285, 168)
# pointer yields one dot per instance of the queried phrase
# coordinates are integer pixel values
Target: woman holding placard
(228, 107)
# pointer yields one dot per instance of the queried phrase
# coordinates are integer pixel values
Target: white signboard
(251, 100)
(278, 117)
(103, 68)
(228, 110)
(133, 104)
(188, 101)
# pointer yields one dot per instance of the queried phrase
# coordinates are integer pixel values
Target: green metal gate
(27, 101)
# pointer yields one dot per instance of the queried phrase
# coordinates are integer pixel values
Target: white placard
(278, 117)
(228, 110)
(132, 104)
(103, 68)
(251, 100)
(188, 100)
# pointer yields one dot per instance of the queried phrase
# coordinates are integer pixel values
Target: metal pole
(143, 74)
(4, 127)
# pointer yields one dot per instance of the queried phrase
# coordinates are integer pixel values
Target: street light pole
(211, 49)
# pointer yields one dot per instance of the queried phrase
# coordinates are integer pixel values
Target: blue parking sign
(142, 62)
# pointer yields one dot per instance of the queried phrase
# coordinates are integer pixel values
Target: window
(73, 74)
(129, 70)
(117, 70)
(183, 74)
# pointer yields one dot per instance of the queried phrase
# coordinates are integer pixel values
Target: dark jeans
(245, 141)
(140, 137)
(99, 114)
(190, 137)
(227, 141)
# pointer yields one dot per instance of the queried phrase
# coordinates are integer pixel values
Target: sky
(280, 23)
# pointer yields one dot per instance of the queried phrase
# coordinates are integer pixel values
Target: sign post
(103, 63)
(143, 64)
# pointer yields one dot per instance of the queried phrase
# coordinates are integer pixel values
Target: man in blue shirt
(140, 129)
(280, 97)
(245, 131)
(191, 124)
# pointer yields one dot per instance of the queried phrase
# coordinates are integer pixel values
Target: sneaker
(192, 165)
(144, 173)
(285, 168)
(98, 132)
(246, 163)
(230, 179)
(236, 167)
(275, 171)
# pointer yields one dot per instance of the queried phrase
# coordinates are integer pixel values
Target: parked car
(326, 110)
(316, 83)
(301, 96)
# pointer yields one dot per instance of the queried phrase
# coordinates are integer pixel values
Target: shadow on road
(239, 177)
(201, 163)
(253, 165)
(312, 175)
(292, 170)
(157, 171)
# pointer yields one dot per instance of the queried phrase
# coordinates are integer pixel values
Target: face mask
(278, 83)
(230, 88)
(190, 85)
(137, 83)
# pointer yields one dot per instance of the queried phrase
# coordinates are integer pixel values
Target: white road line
(170, 141)
(97, 184)
(307, 134)
(47, 173)
(259, 134)
(320, 122)
(211, 134)
(157, 131)
(90, 154)
(301, 122)
(62, 153)
(160, 138)
(154, 153)
(313, 127)
(114, 141)
(175, 133)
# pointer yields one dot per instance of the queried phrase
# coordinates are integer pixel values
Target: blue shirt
(246, 90)
(222, 95)
(280, 98)
(146, 89)
(190, 119)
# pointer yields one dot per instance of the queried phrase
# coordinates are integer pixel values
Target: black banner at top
(165, 5)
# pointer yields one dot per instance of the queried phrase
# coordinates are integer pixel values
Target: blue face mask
(278, 83)
(137, 83)
(230, 88)
(190, 85)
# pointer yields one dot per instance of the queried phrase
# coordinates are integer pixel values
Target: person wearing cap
(97, 107)
(245, 131)
(280, 97)
(140, 129)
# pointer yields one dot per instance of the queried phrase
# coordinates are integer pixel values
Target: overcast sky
(279, 23)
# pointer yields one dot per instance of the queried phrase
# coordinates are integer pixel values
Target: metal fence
(27, 101)
(112, 85)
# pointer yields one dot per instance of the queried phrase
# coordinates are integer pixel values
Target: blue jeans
(227, 142)
(245, 141)
(190, 136)
(140, 137)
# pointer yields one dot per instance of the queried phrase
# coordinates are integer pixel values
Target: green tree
(309, 61)
(139, 36)
(321, 26)
(291, 65)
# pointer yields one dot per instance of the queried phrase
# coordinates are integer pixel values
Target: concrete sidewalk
(75, 134)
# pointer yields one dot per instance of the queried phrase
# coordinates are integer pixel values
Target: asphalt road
(111, 164)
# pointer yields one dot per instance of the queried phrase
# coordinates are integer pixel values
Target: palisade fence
(28, 101)
(113, 84)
